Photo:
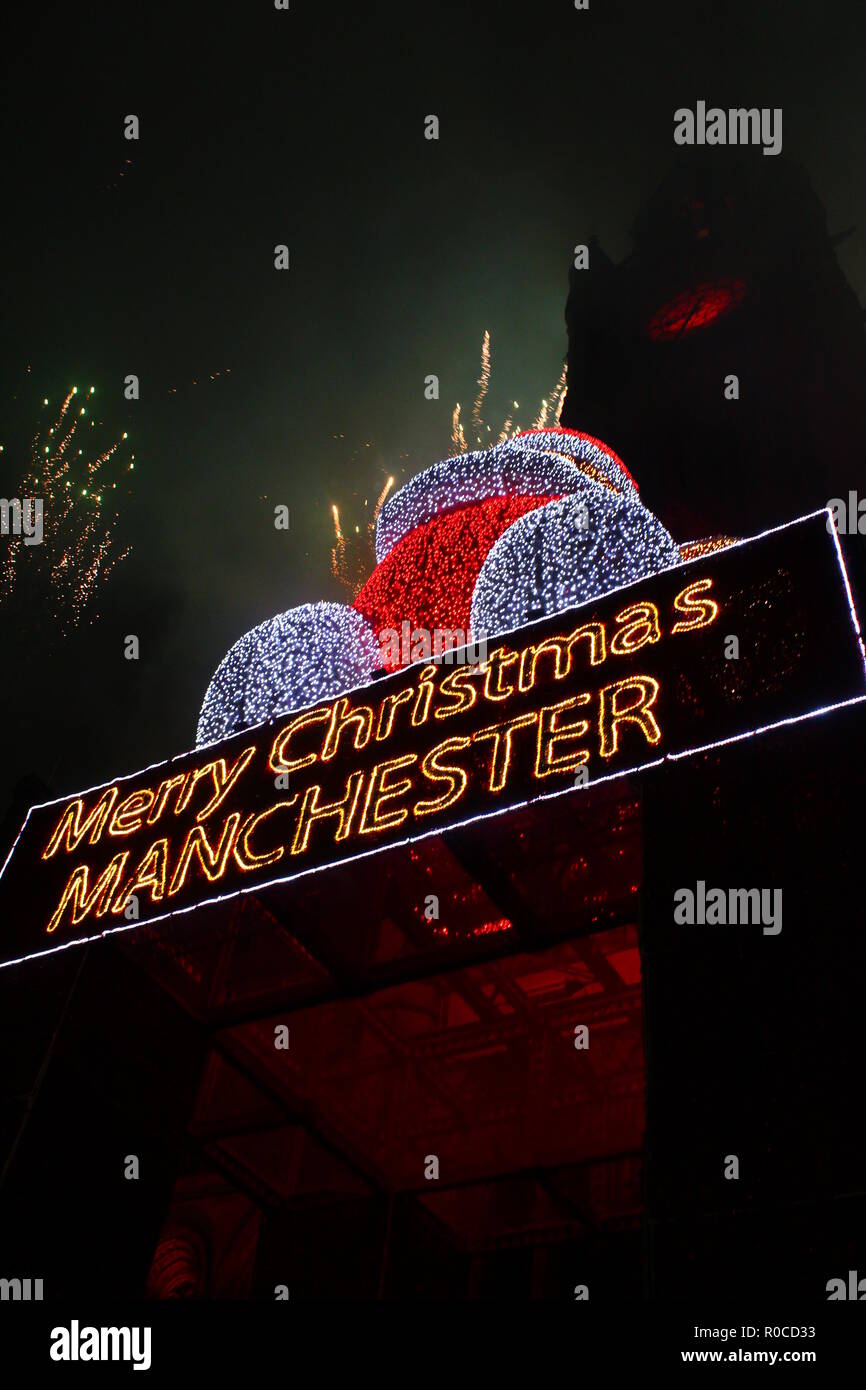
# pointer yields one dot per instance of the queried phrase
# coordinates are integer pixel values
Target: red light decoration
(559, 438)
(428, 578)
(549, 463)
(695, 308)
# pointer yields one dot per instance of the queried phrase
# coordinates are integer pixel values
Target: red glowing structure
(695, 308)
(429, 577)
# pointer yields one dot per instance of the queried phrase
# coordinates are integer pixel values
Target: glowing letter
(129, 815)
(311, 811)
(278, 761)
(342, 715)
(425, 694)
(642, 626)
(151, 873)
(379, 791)
(212, 861)
(496, 662)
(225, 780)
(162, 795)
(455, 776)
(99, 897)
(546, 761)
(455, 687)
(614, 712)
(388, 709)
(501, 735)
(71, 828)
(699, 612)
(561, 649)
(245, 855)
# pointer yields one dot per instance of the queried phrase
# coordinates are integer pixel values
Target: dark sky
(261, 127)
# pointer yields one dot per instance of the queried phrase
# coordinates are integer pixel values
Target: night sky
(261, 127)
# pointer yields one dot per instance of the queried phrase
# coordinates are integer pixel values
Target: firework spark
(551, 406)
(458, 438)
(483, 386)
(353, 557)
(557, 400)
(61, 576)
(508, 427)
(548, 415)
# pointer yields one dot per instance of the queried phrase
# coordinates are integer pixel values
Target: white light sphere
(549, 463)
(597, 459)
(298, 658)
(566, 552)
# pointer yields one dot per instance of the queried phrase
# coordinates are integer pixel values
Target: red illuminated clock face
(695, 308)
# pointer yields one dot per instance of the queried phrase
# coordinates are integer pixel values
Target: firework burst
(551, 407)
(458, 438)
(353, 554)
(547, 417)
(76, 481)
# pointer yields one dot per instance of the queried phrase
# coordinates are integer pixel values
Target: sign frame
(450, 825)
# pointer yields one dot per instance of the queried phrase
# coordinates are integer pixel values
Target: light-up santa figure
(478, 544)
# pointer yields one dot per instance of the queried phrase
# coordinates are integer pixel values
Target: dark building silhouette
(733, 271)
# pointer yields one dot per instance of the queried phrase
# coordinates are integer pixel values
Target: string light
(591, 455)
(549, 463)
(427, 580)
(300, 657)
(693, 550)
(566, 552)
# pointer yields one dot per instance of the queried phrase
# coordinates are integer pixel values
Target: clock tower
(724, 359)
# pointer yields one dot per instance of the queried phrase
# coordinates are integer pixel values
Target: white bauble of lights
(592, 455)
(298, 658)
(566, 552)
(549, 463)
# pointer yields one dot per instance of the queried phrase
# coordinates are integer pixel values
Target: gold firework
(353, 556)
(60, 576)
(483, 386)
(458, 438)
(551, 407)
(548, 415)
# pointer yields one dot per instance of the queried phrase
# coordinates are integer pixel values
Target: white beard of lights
(566, 552)
(298, 658)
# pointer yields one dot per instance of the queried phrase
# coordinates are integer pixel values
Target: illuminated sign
(730, 644)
